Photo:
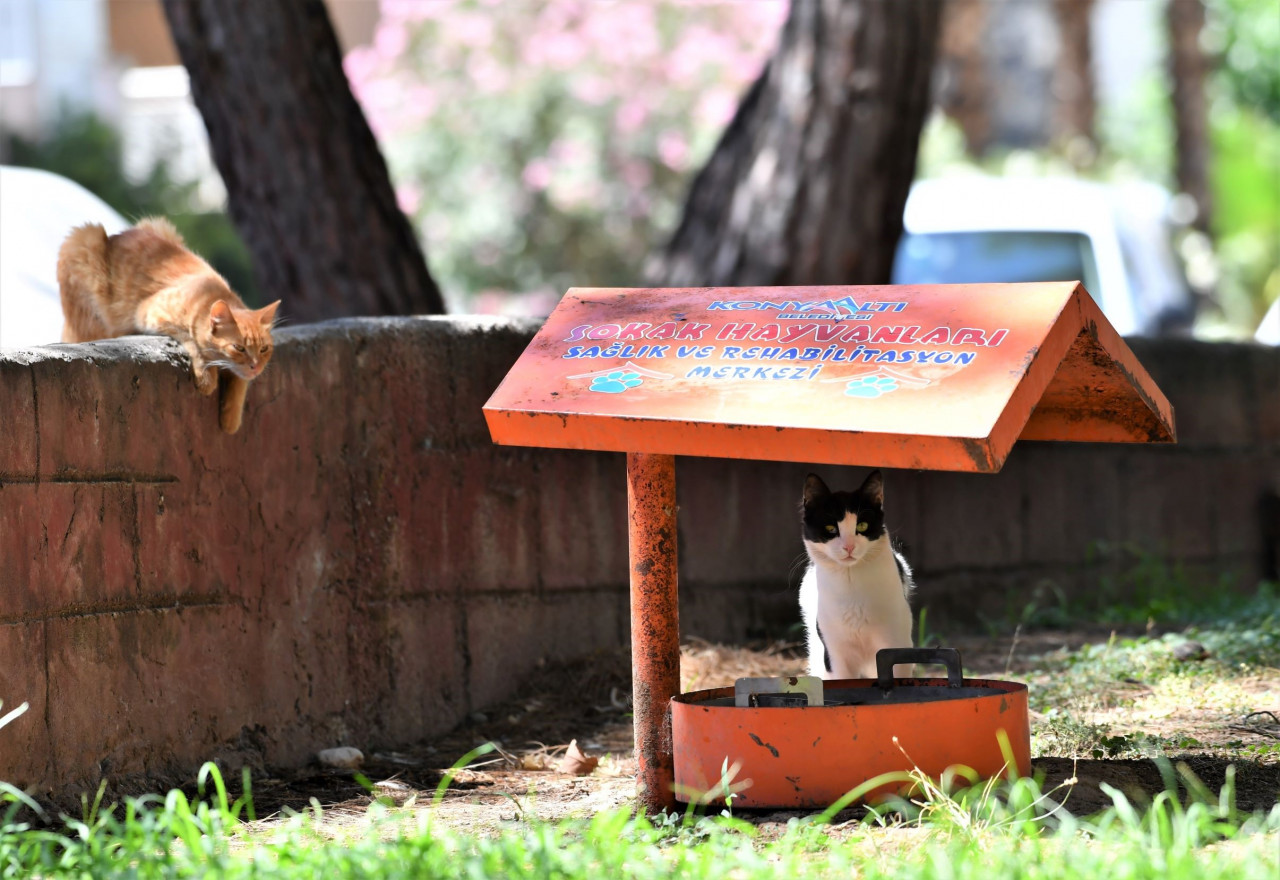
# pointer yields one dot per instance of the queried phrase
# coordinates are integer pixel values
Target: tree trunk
(306, 185)
(1074, 99)
(1190, 108)
(964, 88)
(808, 183)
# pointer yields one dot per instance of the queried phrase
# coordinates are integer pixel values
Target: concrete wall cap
(159, 349)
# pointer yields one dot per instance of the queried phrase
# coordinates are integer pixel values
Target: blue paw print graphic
(616, 382)
(870, 386)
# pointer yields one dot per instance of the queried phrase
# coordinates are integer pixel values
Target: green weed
(1242, 642)
(1063, 735)
(1135, 587)
(1001, 828)
(955, 828)
(1262, 752)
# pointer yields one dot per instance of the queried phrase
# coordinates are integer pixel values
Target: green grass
(1063, 735)
(1141, 675)
(1136, 587)
(1010, 829)
(1242, 642)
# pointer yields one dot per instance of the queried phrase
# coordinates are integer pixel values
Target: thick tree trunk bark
(1190, 106)
(306, 185)
(808, 182)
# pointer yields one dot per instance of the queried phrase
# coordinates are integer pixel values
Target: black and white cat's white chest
(855, 594)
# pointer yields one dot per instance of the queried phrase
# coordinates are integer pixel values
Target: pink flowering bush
(539, 145)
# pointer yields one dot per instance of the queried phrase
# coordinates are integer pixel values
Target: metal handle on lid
(887, 658)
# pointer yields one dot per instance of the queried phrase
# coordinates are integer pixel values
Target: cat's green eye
(239, 348)
(831, 530)
(862, 527)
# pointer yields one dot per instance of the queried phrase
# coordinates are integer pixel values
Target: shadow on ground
(588, 701)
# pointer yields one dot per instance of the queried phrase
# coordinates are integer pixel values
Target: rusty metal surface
(655, 623)
(1100, 392)
(808, 757)
(939, 377)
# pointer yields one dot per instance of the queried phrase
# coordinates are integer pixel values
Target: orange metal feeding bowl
(938, 377)
(811, 756)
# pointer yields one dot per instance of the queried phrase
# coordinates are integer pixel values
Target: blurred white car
(1114, 238)
(37, 210)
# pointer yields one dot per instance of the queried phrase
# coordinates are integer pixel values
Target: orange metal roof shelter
(942, 377)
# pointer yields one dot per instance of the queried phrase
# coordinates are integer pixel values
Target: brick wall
(360, 565)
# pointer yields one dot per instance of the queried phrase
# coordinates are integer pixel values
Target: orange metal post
(655, 621)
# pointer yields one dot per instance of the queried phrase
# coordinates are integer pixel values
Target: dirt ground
(588, 701)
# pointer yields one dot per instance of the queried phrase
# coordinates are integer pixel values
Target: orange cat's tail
(162, 228)
(83, 282)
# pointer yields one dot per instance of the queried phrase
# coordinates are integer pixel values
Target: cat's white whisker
(797, 565)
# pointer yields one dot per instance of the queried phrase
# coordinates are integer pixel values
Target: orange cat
(144, 280)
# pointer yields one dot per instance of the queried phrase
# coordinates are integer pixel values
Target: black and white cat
(855, 595)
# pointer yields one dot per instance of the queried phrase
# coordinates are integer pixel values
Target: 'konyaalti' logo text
(791, 310)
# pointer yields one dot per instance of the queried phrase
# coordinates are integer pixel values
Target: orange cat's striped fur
(144, 280)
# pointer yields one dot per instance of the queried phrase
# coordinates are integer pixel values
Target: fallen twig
(1255, 729)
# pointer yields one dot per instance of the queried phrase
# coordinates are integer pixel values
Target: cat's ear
(267, 314)
(220, 315)
(814, 489)
(873, 488)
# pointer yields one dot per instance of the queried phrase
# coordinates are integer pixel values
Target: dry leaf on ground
(575, 762)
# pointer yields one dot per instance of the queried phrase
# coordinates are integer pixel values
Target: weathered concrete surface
(327, 576)
(359, 565)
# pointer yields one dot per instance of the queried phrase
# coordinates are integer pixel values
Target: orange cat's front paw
(206, 380)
